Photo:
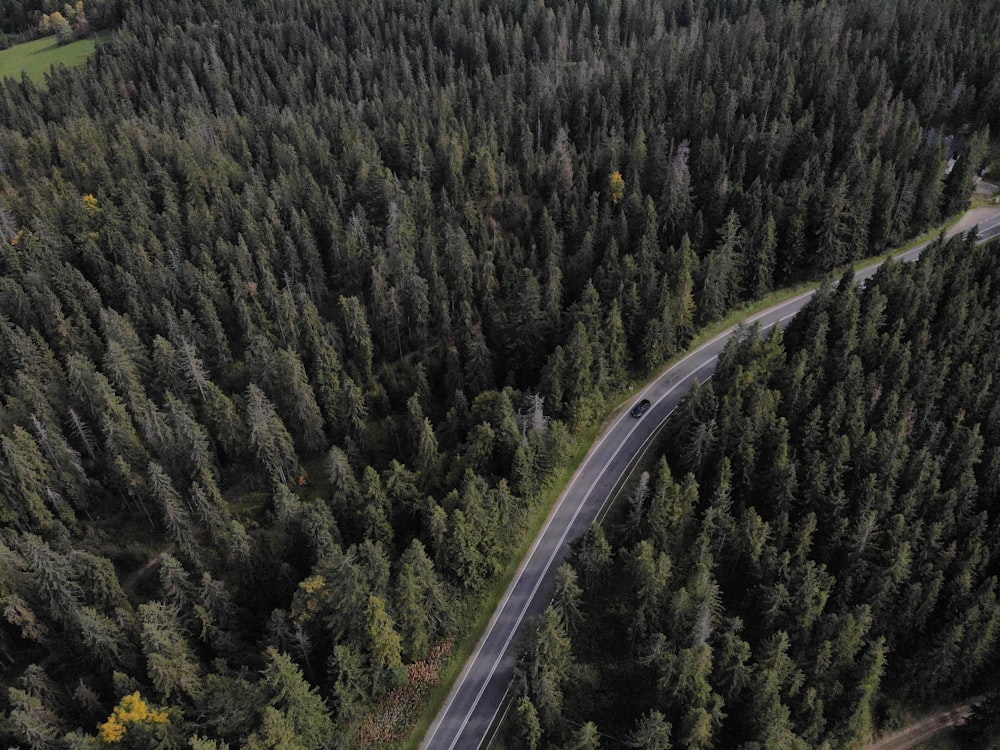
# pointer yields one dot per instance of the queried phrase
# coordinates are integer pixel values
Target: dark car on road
(641, 408)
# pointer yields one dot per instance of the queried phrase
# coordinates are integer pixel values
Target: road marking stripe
(517, 624)
(915, 252)
(514, 583)
(558, 549)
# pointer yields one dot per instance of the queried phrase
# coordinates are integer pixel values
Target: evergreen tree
(294, 715)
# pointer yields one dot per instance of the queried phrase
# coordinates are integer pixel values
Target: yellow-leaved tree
(617, 185)
(132, 709)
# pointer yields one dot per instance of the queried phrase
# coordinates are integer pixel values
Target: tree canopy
(301, 303)
(825, 559)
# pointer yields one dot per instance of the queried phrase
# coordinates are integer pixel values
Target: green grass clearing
(36, 58)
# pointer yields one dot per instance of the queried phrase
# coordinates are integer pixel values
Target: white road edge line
(558, 549)
(425, 745)
(510, 589)
(490, 738)
(605, 504)
(576, 513)
(541, 577)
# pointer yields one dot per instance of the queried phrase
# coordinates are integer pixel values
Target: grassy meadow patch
(37, 57)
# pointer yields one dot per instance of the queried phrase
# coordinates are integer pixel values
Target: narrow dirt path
(921, 731)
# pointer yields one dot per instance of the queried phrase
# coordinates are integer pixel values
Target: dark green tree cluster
(818, 545)
(300, 302)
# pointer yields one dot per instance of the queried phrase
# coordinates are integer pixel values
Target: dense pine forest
(302, 302)
(817, 547)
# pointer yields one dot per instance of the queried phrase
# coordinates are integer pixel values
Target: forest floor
(924, 729)
(132, 580)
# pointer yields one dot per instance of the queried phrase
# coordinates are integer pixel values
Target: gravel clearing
(974, 217)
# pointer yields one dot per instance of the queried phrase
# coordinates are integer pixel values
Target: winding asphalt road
(480, 694)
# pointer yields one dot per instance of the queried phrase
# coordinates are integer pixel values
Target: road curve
(480, 692)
